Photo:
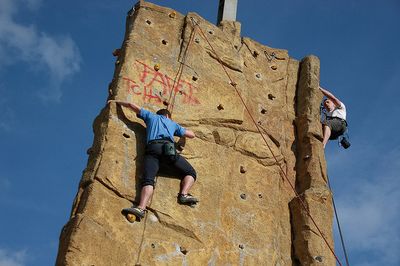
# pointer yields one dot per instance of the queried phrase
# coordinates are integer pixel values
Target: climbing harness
(234, 85)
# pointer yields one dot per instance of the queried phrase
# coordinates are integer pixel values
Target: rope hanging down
(169, 105)
(144, 229)
(234, 85)
(178, 75)
(339, 228)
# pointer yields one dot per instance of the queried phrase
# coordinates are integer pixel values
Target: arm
(190, 134)
(136, 108)
(332, 97)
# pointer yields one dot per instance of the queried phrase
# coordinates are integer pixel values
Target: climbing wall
(254, 111)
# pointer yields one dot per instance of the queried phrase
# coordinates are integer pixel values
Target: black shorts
(154, 158)
(337, 125)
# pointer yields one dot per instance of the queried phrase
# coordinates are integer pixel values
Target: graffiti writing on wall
(154, 86)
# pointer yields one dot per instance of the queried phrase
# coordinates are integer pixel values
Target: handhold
(153, 245)
(255, 53)
(234, 84)
(165, 103)
(243, 196)
(148, 22)
(116, 52)
(242, 169)
(126, 135)
(271, 97)
(164, 42)
(220, 107)
(172, 14)
(260, 195)
(156, 67)
(194, 78)
(183, 250)
(196, 40)
(318, 258)
(274, 67)
(307, 157)
(131, 218)
(117, 62)
(263, 111)
(241, 246)
(89, 151)
(211, 32)
(258, 75)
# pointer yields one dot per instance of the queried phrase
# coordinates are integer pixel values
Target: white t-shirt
(339, 111)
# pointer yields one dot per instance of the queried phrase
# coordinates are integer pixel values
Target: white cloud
(10, 258)
(370, 210)
(57, 56)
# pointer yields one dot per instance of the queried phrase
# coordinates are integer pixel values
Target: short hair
(164, 112)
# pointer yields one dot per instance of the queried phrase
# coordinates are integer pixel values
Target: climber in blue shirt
(159, 126)
(160, 148)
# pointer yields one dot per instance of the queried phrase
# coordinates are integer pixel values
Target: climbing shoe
(135, 211)
(187, 199)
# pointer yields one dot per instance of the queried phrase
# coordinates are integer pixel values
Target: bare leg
(327, 133)
(145, 196)
(186, 183)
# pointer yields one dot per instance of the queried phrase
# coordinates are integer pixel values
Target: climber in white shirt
(335, 123)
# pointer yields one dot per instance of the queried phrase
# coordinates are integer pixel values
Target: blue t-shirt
(160, 127)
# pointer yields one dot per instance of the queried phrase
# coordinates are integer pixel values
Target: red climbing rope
(234, 85)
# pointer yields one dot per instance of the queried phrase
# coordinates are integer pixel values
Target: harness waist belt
(335, 117)
(159, 141)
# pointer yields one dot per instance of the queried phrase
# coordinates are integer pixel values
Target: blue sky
(56, 63)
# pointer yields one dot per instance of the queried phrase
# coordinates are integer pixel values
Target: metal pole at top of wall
(227, 10)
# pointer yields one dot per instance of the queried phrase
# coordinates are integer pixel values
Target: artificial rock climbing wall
(248, 213)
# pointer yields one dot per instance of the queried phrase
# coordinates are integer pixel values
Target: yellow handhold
(131, 218)
(274, 67)
(172, 15)
(156, 67)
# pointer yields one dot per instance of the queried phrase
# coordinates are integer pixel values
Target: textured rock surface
(247, 214)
